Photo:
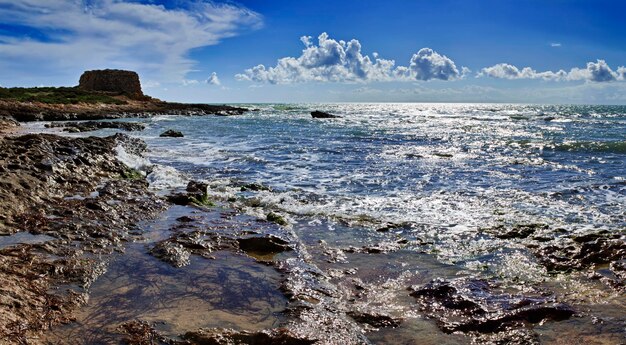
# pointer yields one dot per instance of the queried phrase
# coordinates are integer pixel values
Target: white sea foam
(133, 161)
(165, 178)
(159, 177)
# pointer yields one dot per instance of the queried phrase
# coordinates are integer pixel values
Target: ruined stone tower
(112, 80)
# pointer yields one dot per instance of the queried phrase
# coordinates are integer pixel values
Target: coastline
(80, 212)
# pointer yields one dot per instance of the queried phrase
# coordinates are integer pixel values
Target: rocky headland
(102, 94)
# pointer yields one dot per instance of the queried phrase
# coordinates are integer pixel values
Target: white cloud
(555, 44)
(188, 82)
(427, 64)
(598, 71)
(213, 79)
(340, 61)
(506, 71)
(155, 40)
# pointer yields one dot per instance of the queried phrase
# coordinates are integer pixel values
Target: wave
(592, 146)
(159, 177)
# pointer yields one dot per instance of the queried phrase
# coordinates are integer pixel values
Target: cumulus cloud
(598, 71)
(340, 61)
(68, 36)
(427, 64)
(213, 79)
(506, 71)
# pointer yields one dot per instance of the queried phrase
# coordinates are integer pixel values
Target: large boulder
(112, 80)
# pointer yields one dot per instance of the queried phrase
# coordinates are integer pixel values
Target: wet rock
(254, 187)
(141, 333)
(323, 115)
(185, 219)
(517, 231)
(263, 245)
(276, 218)
(579, 252)
(197, 187)
(172, 134)
(394, 226)
(220, 336)
(68, 189)
(382, 247)
(467, 305)
(196, 194)
(374, 319)
(171, 252)
(333, 254)
(619, 269)
(88, 126)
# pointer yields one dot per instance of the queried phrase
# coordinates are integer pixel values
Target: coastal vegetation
(59, 95)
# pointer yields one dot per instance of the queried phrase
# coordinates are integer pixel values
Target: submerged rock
(171, 252)
(468, 305)
(171, 134)
(374, 319)
(219, 336)
(323, 115)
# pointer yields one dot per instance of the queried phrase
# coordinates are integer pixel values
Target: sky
(511, 51)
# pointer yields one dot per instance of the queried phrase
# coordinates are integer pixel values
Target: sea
(455, 166)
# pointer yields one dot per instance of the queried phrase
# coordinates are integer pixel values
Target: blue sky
(531, 51)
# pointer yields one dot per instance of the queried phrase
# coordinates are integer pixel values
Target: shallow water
(229, 290)
(23, 238)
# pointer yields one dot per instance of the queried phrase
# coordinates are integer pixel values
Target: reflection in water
(230, 291)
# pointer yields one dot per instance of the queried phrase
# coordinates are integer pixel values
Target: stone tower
(112, 80)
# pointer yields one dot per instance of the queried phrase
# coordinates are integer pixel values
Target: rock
(197, 187)
(322, 115)
(468, 305)
(196, 194)
(516, 231)
(374, 319)
(263, 245)
(68, 189)
(219, 336)
(7, 124)
(580, 252)
(172, 133)
(256, 187)
(88, 126)
(171, 252)
(112, 80)
(276, 218)
(185, 219)
(381, 247)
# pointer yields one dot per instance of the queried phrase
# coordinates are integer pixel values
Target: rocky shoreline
(33, 111)
(74, 215)
(75, 194)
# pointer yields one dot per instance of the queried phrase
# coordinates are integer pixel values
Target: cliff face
(112, 80)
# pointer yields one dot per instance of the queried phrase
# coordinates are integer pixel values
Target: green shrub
(58, 95)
